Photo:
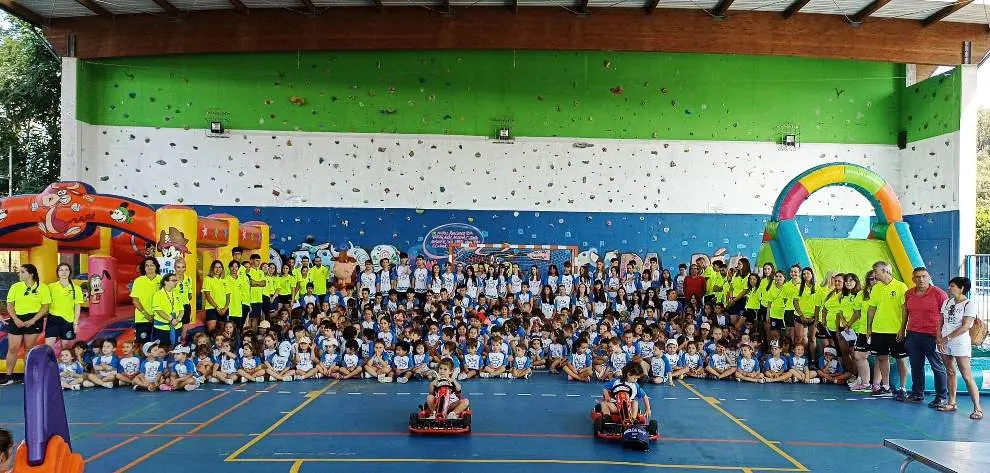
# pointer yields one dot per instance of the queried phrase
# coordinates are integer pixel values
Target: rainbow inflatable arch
(891, 235)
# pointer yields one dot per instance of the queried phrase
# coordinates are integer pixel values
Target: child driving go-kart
(445, 411)
(624, 412)
(626, 387)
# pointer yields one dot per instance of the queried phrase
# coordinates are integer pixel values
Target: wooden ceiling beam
(310, 7)
(944, 12)
(168, 7)
(94, 7)
(582, 7)
(239, 6)
(22, 12)
(868, 10)
(722, 8)
(794, 8)
(652, 6)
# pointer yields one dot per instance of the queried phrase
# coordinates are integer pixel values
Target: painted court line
(747, 428)
(195, 430)
(156, 426)
(297, 462)
(309, 399)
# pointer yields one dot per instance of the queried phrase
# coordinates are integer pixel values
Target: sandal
(977, 414)
(947, 408)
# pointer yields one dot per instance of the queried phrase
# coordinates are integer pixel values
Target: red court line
(170, 435)
(832, 444)
(157, 426)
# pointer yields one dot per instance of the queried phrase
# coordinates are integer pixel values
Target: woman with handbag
(954, 343)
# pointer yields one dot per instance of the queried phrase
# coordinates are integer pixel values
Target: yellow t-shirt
(217, 289)
(851, 304)
(738, 285)
(789, 292)
(833, 305)
(285, 284)
(714, 278)
(237, 287)
(171, 304)
(889, 302)
(271, 286)
(808, 300)
(319, 275)
(302, 281)
(64, 300)
(185, 289)
(144, 290)
(256, 275)
(28, 301)
(777, 304)
(755, 297)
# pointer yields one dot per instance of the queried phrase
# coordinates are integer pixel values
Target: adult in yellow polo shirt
(269, 293)
(320, 275)
(240, 290)
(142, 292)
(216, 298)
(168, 305)
(186, 289)
(806, 302)
(775, 302)
(27, 306)
(286, 288)
(789, 293)
(885, 326)
(258, 282)
(63, 313)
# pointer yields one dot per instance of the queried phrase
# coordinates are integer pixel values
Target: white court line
(548, 395)
(263, 391)
(498, 394)
(573, 395)
(241, 390)
(764, 400)
(354, 394)
(284, 392)
(403, 394)
(851, 399)
(671, 398)
(786, 400)
(286, 412)
(742, 399)
(215, 389)
(523, 394)
(693, 398)
(330, 392)
(829, 399)
(378, 394)
(811, 400)
(721, 399)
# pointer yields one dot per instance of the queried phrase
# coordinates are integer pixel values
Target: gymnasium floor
(540, 423)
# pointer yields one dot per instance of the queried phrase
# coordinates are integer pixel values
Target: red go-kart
(635, 434)
(436, 421)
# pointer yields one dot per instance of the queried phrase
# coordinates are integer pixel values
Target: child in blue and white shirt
(182, 372)
(473, 360)
(521, 365)
(421, 360)
(579, 364)
(130, 365)
(249, 365)
(537, 355)
(368, 279)
(661, 369)
(105, 366)
(70, 371)
(403, 274)
(801, 371)
(226, 370)
(748, 367)
(402, 362)
(278, 365)
(830, 368)
(496, 361)
(776, 368)
(306, 361)
(153, 368)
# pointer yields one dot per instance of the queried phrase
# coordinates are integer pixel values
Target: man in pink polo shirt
(922, 321)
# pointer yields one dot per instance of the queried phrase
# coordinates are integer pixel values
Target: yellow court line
(299, 461)
(309, 398)
(754, 433)
(296, 466)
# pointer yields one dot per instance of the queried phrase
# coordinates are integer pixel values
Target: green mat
(844, 255)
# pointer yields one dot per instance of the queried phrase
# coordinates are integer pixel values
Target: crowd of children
(495, 320)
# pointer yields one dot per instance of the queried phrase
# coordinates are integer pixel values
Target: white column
(71, 149)
(967, 165)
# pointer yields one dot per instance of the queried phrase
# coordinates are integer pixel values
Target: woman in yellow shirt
(168, 307)
(237, 285)
(27, 306)
(775, 300)
(832, 310)
(806, 310)
(216, 298)
(286, 288)
(790, 292)
(186, 289)
(63, 314)
(142, 292)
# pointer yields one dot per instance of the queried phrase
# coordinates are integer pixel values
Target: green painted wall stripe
(542, 94)
(933, 106)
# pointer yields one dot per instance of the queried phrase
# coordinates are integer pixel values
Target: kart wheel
(467, 421)
(653, 428)
(413, 420)
(598, 425)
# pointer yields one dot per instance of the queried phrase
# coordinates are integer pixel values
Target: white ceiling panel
(123, 7)
(759, 5)
(976, 12)
(56, 8)
(911, 9)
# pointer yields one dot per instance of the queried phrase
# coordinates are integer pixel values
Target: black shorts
(861, 344)
(186, 314)
(143, 332)
(761, 315)
(164, 337)
(777, 324)
(57, 327)
(257, 309)
(285, 300)
(789, 318)
(239, 321)
(266, 304)
(738, 307)
(886, 344)
(245, 310)
(750, 315)
(33, 329)
(212, 314)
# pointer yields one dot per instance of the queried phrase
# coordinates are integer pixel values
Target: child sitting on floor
(70, 371)
(579, 364)
(830, 368)
(748, 367)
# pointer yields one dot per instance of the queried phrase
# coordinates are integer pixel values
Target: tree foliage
(30, 89)
(983, 183)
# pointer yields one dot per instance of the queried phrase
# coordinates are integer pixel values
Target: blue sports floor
(542, 423)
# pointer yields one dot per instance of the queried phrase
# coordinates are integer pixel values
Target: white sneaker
(290, 378)
(506, 376)
(88, 384)
(213, 380)
(402, 380)
(381, 378)
(319, 375)
(259, 379)
(452, 416)
(75, 387)
(484, 375)
(461, 377)
(190, 387)
(388, 379)
(814, 381)
(853, 381)
(365, 375)
(243, 379)
(230, 381)
(108, 385)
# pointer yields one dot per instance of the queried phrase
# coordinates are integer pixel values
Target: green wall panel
(571, 94)
(933, 106)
